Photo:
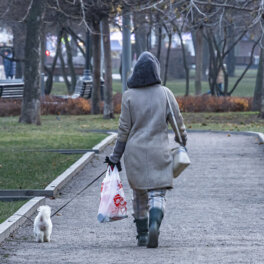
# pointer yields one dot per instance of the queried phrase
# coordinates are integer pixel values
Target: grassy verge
(228, 121)
(22, 169)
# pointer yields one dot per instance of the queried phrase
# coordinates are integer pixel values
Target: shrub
(209, 103)
(55, 106)
(10, 107)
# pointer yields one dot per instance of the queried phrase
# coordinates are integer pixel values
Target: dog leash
(25, 217)
(71, 198)
(79, 193)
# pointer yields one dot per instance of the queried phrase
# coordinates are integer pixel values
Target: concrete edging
(259, 135)
(20, 216)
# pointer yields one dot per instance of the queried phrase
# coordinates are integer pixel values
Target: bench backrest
(11, 90)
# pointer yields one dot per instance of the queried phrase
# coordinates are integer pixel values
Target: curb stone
(29, 208)
(259, 135)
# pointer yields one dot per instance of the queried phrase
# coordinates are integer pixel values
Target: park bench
(11, 89)
(84, 89)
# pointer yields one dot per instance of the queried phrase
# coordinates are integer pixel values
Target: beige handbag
(180, 156)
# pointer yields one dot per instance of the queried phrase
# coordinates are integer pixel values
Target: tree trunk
(205, 60)
(63, 69)
(149, 41)
(19, 31)
(258, 87)
(159, 42)
(70, 64)
(167, 60)
(42, 47)
(186, 68)
(30, 112)
(198, 60)
(212, 71)
(262, 102)
(108, 90)
(261, 61)
(231, 59)
(96, 38)
(141, 32)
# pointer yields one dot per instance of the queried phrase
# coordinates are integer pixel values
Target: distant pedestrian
(143, 138)
(9, 65)
(220, 82)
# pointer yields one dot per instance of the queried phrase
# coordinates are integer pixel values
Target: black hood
(146, 71)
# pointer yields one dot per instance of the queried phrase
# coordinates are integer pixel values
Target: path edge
(28, 209)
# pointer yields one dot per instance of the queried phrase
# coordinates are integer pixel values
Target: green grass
(8, 208)
(245, 88)
(228, 121)
(23, 169)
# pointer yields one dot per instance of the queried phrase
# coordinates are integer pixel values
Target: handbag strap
(173, 117)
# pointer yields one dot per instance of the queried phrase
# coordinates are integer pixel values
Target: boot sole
(153, 237)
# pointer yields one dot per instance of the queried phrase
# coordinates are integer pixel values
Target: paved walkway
(215, 214)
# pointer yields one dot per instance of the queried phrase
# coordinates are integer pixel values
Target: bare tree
(30, 112)
(108, 90)
(96, 40)
(258, 87)
(198, 60)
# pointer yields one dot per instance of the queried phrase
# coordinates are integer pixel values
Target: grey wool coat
(143, 128)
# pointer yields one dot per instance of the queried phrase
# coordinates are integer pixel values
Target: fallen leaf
(228, 135)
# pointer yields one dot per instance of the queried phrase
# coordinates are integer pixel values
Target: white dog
(43, 224)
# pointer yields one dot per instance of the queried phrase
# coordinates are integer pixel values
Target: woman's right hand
(110, 163)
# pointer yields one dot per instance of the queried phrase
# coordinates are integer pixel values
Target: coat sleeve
(123, 131)
(124, 120)
(178, 117)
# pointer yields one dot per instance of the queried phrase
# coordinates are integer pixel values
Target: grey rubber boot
(142, 230)
(155, 218)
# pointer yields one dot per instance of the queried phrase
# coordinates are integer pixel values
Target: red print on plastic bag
(119, 184)
(119, 201)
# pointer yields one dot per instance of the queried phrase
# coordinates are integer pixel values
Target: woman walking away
(143, 138)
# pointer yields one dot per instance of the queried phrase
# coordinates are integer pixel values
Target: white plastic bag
(113, 205)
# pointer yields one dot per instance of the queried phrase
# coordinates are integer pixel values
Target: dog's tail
(45, 211)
